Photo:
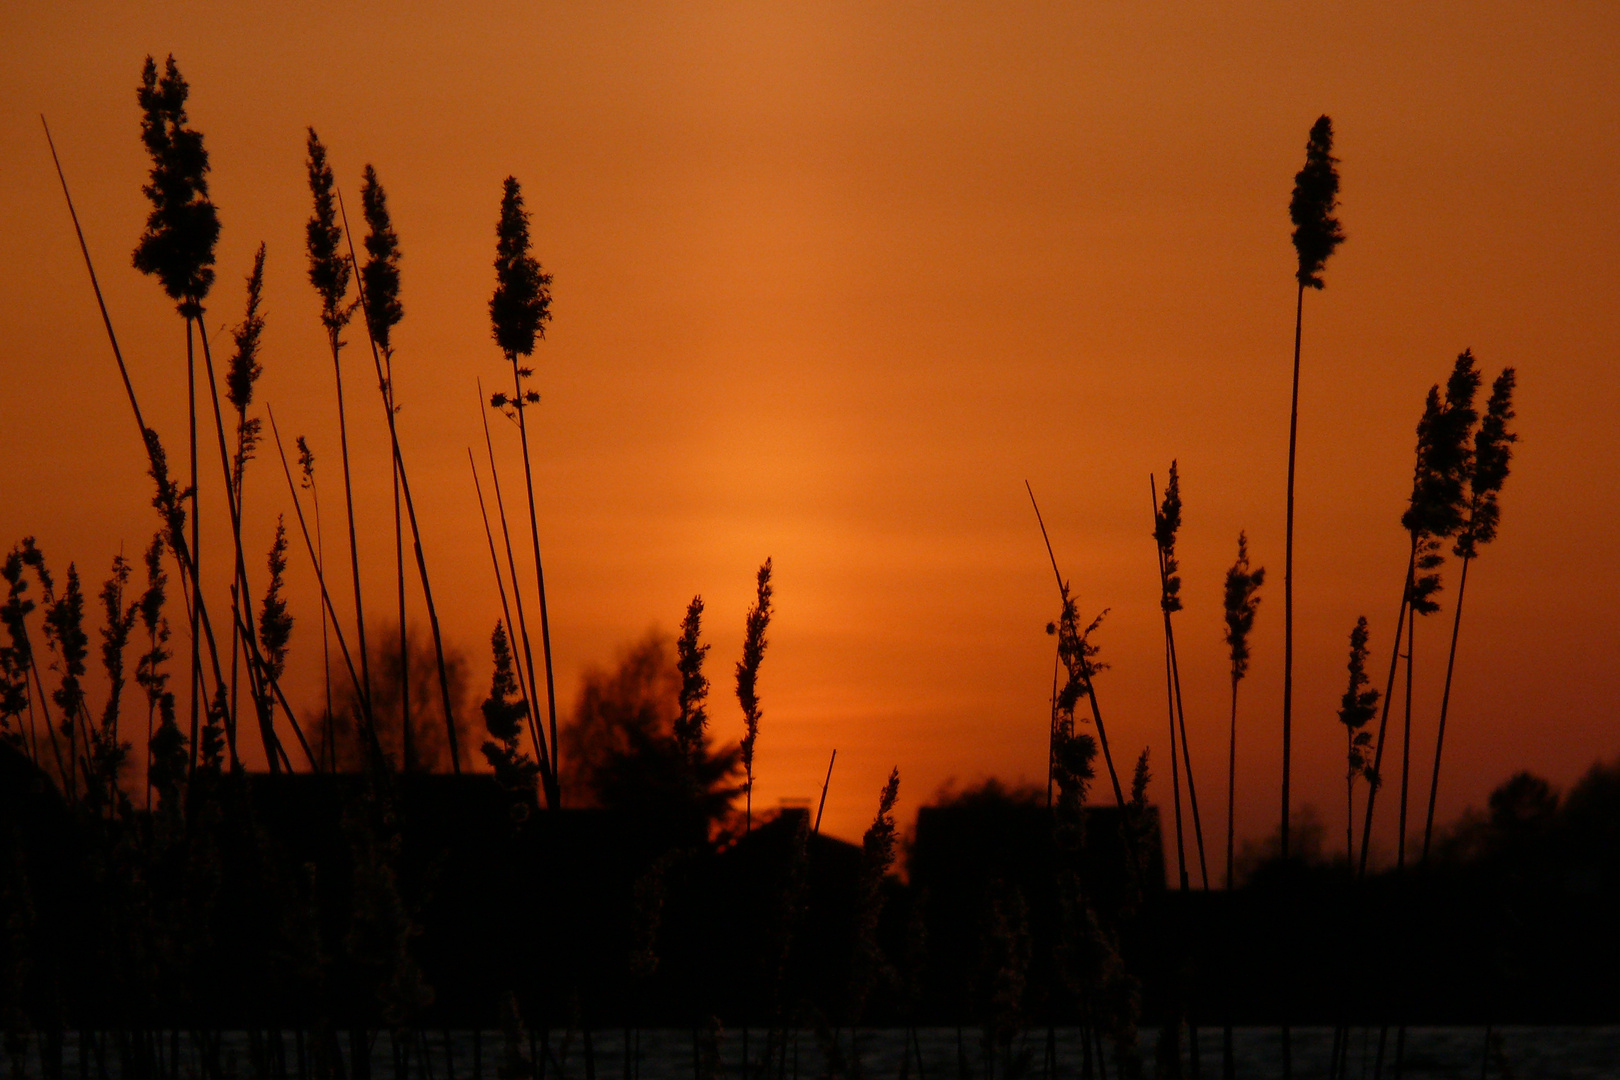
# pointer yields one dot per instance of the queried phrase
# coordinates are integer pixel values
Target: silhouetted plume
(1241, 598)
(1165, 525)
(15, 658)
(693, 721)
(244, 372)
(1440, 476)
(380, 276)
(1359, 705)
(1316, 192)
(503, 717)
(64, 632)
(759, 617)
(1493, 453)
(245, 368)
(183, 227)
(169, 498)
(877, 858)
(328, 270)
(275, 622)
(521, 306)
(107, 753)
(1139, 781)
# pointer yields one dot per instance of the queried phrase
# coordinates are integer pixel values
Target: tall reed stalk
(379, 302)
(1493, 453)
(178, 249)
(306, 468)
(518, 313)
(546, 758)
(329, 274)
(1241, 600)
(1166, 523)
(1316, 235)
(242, 374)
(759, 618)
(1356, 708)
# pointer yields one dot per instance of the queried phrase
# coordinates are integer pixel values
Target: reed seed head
(1359, 704)
(275, 622)
(1166, 523)
(521, 306)
(328, 270)
(691, 724)
(1493, 454)
(380, 275)
(1316, 193)
(1242, 599)
(759, 617)
(245, 369)
(183, 226)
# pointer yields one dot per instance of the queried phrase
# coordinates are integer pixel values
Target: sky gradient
(831, 282)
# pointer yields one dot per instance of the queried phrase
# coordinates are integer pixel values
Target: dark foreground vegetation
(343, 902)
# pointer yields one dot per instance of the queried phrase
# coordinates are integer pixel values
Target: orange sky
(831, 282)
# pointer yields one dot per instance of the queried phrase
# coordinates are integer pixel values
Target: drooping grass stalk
(379, 301)
(1316, 235)
(536, 732)
(1434, 510)
(1166, 522)
(1241, 601)
(1079, 661)
(329, 274)
(519, 311)
(241, 613)
(306, 465)
(1493, 453)
(759, 618)
(355, 678)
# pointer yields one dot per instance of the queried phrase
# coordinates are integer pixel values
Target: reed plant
(1434, 511)
(306, 471)
(241, 376)
(329, 274)
(1077, 655)
(529, 688)
(379, 302)
(1241, 600)
(754, 626)
(178, 249)
(1357, 707)
(1166, 523)
(1317, 235)
(689, 656)
(1492, 456)
(518, 312)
